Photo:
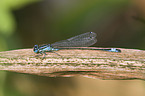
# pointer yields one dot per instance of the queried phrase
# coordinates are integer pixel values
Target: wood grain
(129, 64)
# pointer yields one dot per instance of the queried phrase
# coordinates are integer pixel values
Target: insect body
(82, 40)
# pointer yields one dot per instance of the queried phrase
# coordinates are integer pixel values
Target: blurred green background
(24, 23)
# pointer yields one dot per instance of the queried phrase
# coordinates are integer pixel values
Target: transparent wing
(82, 40)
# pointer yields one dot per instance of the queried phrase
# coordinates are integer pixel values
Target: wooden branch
(129, 64)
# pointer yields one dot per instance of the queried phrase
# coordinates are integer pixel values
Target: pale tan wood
(129, 64)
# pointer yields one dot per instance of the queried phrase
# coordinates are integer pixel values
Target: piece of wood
(129, 64)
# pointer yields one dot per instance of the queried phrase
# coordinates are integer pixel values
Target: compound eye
(35, 49)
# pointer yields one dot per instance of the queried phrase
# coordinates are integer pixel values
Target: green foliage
(7, 21)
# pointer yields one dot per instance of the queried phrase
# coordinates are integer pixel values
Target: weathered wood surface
(129, 64)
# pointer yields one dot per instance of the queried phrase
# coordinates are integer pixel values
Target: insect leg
(56, 53)
(42, 54)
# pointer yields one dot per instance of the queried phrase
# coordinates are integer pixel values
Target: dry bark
(129, 64)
